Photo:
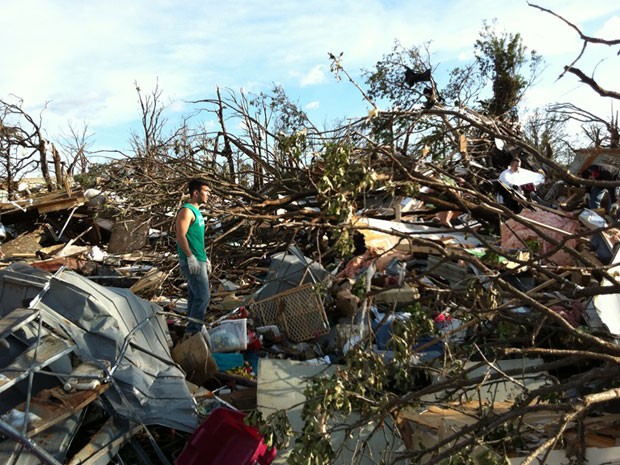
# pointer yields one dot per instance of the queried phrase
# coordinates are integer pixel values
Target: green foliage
(287, 116)
(356, 386)
(312, 449)
(365, 384)
(501, 58)
(403, 376)
(492, 258)
(533, 245)
(344, 246)
(420, 323)
(360, 286)
(463, 87)
(287, 125)
(293, 145)
(343, 179)
(275, 429)
(386, 82)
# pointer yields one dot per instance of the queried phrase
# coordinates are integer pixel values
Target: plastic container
(592, 219)
(228, 361)
(229, 336)
(224, 439)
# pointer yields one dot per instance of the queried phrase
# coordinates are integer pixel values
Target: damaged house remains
(380, 294)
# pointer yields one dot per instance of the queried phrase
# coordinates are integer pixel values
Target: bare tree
(592, 124)
(150, 143)
(588, 80)
(22, 146)
(76, 145)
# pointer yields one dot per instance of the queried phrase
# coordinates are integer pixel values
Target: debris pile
(496, 310)
(424, 284)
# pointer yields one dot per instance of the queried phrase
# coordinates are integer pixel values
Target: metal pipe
(38, 452)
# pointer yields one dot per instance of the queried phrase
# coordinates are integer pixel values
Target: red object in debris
(224, 439)
(241, 312)
(529, 187)
(254, 344)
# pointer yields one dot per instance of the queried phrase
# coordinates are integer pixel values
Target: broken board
(53, 406)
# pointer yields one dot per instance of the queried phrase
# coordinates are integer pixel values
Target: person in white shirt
(515, 179)
(509, 180)
(510, 176)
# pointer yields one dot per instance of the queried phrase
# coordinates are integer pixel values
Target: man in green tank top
(193, 261)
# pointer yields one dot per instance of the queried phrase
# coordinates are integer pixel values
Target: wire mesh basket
(298, 312)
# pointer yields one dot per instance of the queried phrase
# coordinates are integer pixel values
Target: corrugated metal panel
(122, 338)
(52, 443)
(19, 284)
(117, 326)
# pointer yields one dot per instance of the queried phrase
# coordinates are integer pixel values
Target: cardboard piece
(128, 236)
(194, 357)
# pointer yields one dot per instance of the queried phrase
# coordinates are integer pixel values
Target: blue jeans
(597, 194)
(198, 295)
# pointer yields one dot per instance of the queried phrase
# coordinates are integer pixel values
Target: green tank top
(195, 235)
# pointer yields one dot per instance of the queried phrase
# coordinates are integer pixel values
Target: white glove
(586, 199)
(209, 267)
(193, 265)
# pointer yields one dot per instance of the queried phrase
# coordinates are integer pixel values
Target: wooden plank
(46, 202)
(149, 282)
(50, 349)
(62, 204)
(105, 444)
(15, 320)
(54, 406)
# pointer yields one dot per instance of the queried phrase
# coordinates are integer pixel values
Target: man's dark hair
(589, 171)
(515, 159)
(196, 185)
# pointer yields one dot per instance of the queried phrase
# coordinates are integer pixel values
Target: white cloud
(314, 105)
(315, 76)
(611, 29)
(83, 57)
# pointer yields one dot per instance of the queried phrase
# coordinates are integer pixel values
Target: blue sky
(83, 57)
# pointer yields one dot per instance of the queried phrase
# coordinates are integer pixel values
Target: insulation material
(516, 235)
